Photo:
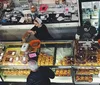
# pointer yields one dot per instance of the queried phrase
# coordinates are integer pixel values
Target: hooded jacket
(40, 77)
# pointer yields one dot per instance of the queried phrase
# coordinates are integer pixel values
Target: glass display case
(12, 69)
(80, 65)
(87, 53)
(86, 66)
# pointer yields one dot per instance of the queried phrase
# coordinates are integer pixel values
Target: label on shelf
(32, 55)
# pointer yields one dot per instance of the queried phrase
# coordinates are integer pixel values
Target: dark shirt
(42, 33)
(40, 77)
(86, 35)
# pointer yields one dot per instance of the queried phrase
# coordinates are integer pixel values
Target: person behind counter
(34, 12)
(86, 32)
(39, 75)
(39, 30)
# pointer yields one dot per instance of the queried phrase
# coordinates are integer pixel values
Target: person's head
(33, 66)
(37, 22)
(63, 1)
(33, 8)
(87, 24)
(56, 1)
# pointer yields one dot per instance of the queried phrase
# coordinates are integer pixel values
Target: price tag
(32, 55)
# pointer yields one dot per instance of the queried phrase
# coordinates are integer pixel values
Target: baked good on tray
(11, 52)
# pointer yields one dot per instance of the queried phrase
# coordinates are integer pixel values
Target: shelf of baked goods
(87, 75)
(62, 75)
(23, 79)
(16, 75)
(87, 54)
(88, 79)
(87, 71)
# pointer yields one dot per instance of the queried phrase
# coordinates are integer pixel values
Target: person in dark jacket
(86, 32)
(39, 30)
(39, 75)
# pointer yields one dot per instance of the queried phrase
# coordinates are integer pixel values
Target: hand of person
(33, 32)
(23, 40)
(30, 31)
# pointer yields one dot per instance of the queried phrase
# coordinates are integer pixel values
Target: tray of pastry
(91, 58)
(87, 71)
(64, 55)
(80, 54)
(88, 47)
(83, 78)
(80, 58)
(63, 72)
(46, 56)
(12, 56)
(92, 50)
(45, 59)
(86, 55)
(65, 61)
(15, 72)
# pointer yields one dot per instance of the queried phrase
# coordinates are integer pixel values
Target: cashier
(86, 32)
(39, 30)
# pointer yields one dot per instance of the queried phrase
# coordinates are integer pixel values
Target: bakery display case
(13, 56)
(86, 66)
(48, 55)
(13, 67)
(56, 54)
(71, 61)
